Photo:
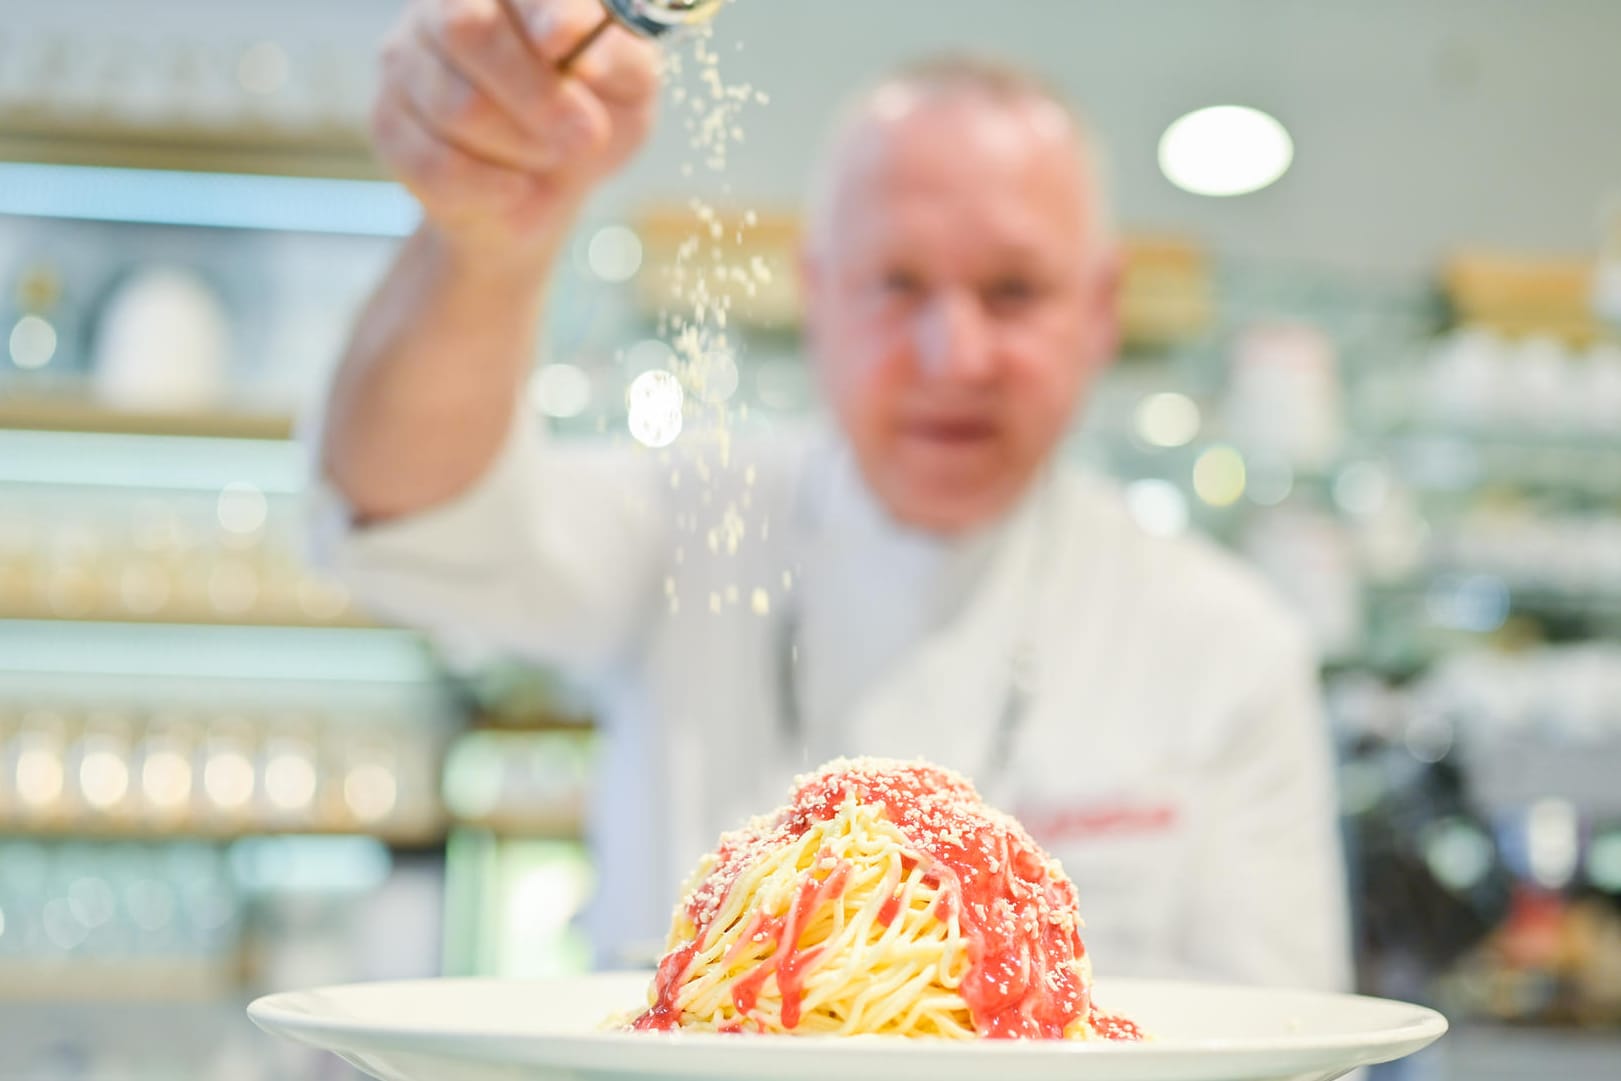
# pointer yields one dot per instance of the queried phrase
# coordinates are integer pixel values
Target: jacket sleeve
(553, 555)
(1268, 897)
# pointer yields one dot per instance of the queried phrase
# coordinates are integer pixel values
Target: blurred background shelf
(254, 148)
(544, 723)
(425, 839)
(119, 982)
(1490, 1053)
(527, 827)
(1491, 600)
(76, 413)
(43, 612)
(1450, 461)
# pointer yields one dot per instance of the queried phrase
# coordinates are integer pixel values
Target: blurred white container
(1542, 384)
(1464, 377)
(1309, 556)
(163, 343)
(1285, 397)
(1600, 397)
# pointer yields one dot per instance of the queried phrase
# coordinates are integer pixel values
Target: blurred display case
(190, 85)
(217, 777)
(177, 691)
(1453, 544)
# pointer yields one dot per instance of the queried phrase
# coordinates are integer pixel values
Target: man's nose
(953, 338)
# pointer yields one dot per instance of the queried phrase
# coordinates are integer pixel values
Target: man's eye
(902, 284)
(1011, 292)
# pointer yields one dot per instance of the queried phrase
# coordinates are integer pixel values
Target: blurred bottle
(34, 73)
(1601, 396)
(99, 770)
(201, 85)
(371, 789)
(1607, 276)
(69, 586)
(1463, 375)
(37, 767)
(19, 554)
(8, 733)
(230, 779)
(41, 348)
(140, 87)
(169, 761)
(1310, 557)
(1540, 391)
(292, 778)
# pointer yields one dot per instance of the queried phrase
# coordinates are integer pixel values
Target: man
(925, 582)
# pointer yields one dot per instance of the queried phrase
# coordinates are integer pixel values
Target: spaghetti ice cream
(886, 898)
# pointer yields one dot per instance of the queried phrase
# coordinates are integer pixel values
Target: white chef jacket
(744, 610)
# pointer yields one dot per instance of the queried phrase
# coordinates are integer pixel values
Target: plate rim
(1425, 1026)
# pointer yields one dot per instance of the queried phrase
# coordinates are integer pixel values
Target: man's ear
(1103, 301)
(812, 269)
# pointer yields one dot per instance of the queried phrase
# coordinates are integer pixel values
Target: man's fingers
(459, 110)
(441, 174)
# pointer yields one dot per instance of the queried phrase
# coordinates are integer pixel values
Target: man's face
(957, 305)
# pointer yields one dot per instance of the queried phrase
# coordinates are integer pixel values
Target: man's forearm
(432, 375)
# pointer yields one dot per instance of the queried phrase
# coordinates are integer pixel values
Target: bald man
(918, 577)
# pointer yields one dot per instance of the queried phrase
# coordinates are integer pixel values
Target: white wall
(1420, 124)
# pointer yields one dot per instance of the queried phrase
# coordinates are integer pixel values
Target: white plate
(498, 1030)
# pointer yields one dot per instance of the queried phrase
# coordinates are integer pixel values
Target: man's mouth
(951, 431)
